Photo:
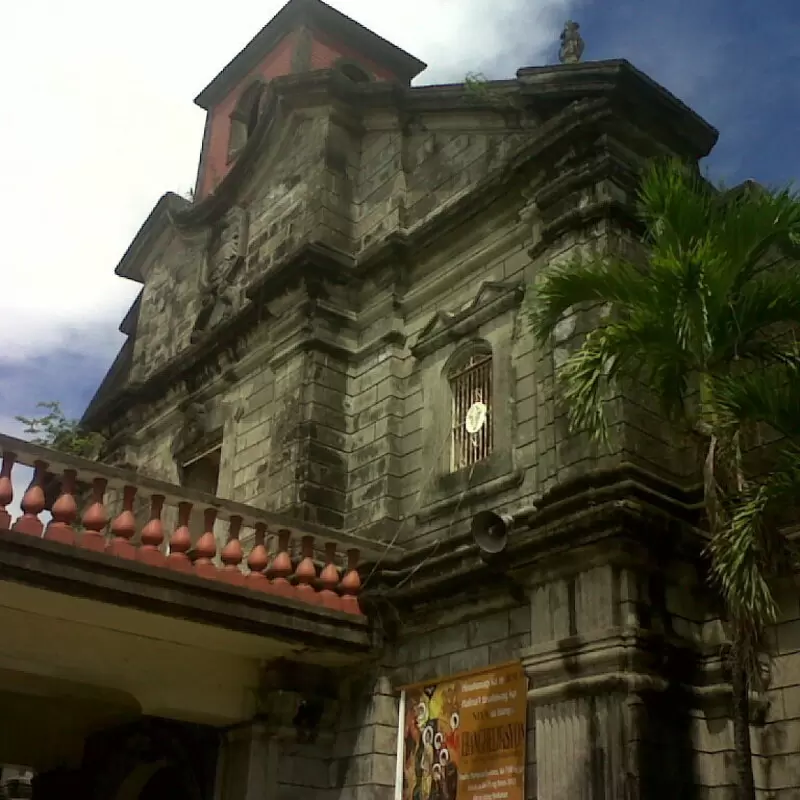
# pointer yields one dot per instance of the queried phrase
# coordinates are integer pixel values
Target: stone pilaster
(596, 678)
(365, 753)
(247, 765)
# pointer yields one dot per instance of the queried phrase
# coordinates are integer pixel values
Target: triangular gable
(326, 19)
(493, 298)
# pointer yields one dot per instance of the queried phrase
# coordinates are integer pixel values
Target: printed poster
(464, 737)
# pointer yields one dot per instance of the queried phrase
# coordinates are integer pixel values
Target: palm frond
(674, 202)
(764, 307)
(617, 282)
(753, 224)
(633, 350)
(680, 287)
(749, 552)
(770, 396)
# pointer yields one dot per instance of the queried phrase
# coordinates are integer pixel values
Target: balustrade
(282, 560)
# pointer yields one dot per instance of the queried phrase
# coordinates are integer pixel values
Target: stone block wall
(690, 720)
(283, 210)
(453, 641)
(778, 742)
(446, 156)
(169, 305)
(598, 726)
(355, 757)
(285, 192)
(378, 184)
(376, 404)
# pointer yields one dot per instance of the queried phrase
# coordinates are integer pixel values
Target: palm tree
(705, 310)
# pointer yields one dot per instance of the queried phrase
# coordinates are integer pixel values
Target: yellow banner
(464, 737)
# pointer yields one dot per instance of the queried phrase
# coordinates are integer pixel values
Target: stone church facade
(313, 327)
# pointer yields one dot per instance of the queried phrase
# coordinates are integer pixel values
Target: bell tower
(305, 35)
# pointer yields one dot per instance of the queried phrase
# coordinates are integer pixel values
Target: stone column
(366, 747)
(247, 765)
(582, 670)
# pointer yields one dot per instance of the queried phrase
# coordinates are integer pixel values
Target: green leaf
(53, 429)
(712, 304)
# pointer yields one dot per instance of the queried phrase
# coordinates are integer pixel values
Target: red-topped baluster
(152, 537)
(181, 541)
(123, 527)
(206, 547)
(281, 567)
(95, 518)
(351, 584)
(329, 580)
(64, 512)
(306, 572)
(33, 503)
(6, 489)
(257, 561)
(232, 554)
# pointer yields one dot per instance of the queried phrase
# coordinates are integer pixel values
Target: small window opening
(201, 473)
(471, 383)
(354, 73)
(245, 118)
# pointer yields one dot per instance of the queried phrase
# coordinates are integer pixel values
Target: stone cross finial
(572, 44)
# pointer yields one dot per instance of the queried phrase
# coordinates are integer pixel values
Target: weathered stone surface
(382, 236)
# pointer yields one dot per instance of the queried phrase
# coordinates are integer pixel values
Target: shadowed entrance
(166, 784)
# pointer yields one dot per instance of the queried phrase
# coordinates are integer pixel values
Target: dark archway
(169, 783)
(353, 71)
(150, 760)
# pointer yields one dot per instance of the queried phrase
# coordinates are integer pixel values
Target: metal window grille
(472, 383)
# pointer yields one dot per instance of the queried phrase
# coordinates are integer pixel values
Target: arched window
(244, 118)
(470, 378)
(353, 71)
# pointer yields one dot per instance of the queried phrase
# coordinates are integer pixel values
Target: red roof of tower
(319, 16)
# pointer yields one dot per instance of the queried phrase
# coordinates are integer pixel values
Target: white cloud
(103, 123)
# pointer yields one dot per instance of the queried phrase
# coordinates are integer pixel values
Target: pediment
(492, 299)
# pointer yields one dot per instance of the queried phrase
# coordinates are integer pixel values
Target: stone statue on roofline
(572, 44)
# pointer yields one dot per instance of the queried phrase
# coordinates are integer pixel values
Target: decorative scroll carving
(221, 290)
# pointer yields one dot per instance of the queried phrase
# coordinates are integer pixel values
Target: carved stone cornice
(492, 299)
(599, 506)
(220, 349)
(547, 142)
(626, 87)
(551, 142)
(631, 661)
(541, 92)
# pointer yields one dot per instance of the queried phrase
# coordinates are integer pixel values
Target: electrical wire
(423, 486)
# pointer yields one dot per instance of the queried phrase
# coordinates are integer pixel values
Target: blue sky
(105, 123)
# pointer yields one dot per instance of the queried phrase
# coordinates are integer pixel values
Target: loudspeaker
(490, 531)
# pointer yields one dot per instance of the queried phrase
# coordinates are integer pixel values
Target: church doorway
(160, 780)
(169, 783)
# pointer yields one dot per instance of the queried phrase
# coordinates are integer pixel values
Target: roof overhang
(627, 87)
(156, 224)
